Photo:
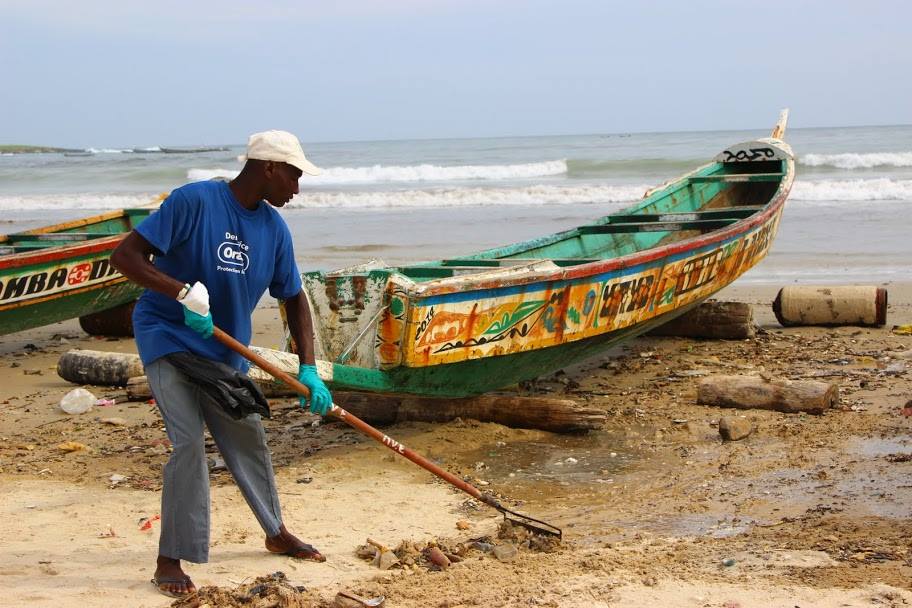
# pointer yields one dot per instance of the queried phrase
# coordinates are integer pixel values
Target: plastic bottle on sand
(77, 401)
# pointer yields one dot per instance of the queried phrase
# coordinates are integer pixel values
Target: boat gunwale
(51, 254)
(70, 250)
(777, 200)
(76, 223)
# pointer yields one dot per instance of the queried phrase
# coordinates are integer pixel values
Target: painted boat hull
(63, 271)
(455, 328)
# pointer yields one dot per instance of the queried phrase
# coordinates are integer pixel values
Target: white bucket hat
(279, 146)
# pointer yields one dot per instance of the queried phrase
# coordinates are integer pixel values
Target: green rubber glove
(198, 323)
(320, 397)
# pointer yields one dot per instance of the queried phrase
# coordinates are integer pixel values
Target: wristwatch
(183, 292)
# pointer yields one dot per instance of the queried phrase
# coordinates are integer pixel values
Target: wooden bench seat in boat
(736, 177)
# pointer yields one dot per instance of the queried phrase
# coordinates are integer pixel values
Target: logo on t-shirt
(234, 253)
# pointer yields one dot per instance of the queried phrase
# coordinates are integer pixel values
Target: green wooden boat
(63, 271)
(460, 327)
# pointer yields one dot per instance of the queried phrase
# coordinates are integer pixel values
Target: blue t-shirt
(202, 233)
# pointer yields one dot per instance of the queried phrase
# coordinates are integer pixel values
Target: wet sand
(656, 509)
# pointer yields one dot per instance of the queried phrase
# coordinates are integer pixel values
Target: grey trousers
(185, 489)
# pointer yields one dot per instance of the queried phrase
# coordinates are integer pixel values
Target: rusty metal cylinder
(831, 305)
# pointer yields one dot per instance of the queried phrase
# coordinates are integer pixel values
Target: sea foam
(850, 160)
(469, 197)
(379, 174)
(89, 201)
(882, 189)
(832, 192)
(428, 198)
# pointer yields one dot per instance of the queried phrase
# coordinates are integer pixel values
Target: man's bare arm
(132, 259)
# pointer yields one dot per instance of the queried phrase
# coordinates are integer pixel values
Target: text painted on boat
(543, 316)
(49, 281)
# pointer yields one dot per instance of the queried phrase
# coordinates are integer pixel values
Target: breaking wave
(442, 197)
(852, 160)
(833, 191)
(469, 197)
(853, 190)
(75, 201)
(379, 174)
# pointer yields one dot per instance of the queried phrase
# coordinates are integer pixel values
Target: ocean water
(404, 201)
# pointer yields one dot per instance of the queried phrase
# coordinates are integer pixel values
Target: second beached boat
(63, 271)
(459, 327)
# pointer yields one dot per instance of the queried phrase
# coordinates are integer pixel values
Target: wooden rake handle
(354, 421)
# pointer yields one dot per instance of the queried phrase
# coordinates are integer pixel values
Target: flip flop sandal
(171, 580)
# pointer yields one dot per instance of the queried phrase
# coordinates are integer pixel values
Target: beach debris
(102, 402)
(72, 446)
(145, 523)
(385, 558)
(216, 464)
(524, 538)
(734, 428)
(436, 556)
(273, 590)
(506, 552)
(690, 373)
(864, 305)
(547, 413)
(712, 320)
(728, 562)
(347, 599)
(898, 457)
(902, 330)
(98, 368)
(77, 401)
(758, 392)
(117, 478)
(366, 552)
(108, 533)
(894, 369)
(463, 525)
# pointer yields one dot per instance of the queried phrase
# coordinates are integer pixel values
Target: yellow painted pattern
(542, 318)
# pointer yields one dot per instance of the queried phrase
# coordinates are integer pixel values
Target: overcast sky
(130, 73)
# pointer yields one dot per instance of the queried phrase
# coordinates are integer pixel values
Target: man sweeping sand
(221, 244)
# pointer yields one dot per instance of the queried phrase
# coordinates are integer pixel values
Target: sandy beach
(657, 510)
(473, 193)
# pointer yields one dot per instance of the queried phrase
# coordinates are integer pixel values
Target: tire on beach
(117, 321)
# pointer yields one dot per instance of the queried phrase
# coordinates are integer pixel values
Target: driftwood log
(138, 389)
(98, 368)
(543, 413)
(755, 392)
(712, 320)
